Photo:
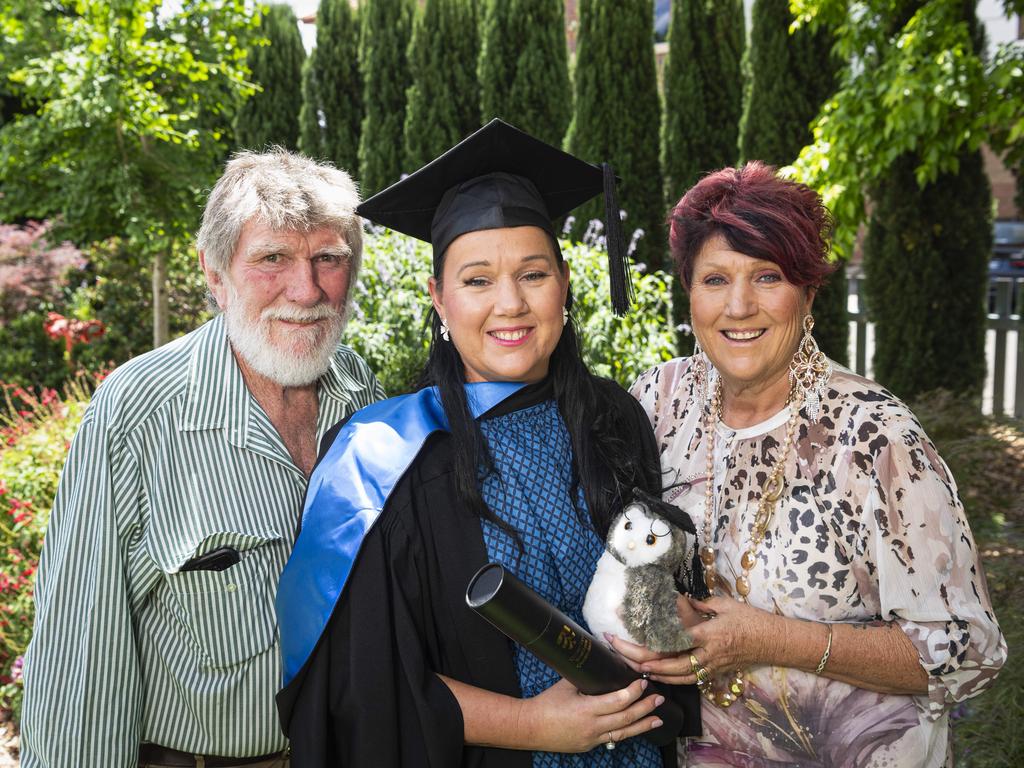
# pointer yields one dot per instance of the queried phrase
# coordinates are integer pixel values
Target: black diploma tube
(558, 641)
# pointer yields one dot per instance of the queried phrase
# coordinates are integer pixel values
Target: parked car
(1007, 262)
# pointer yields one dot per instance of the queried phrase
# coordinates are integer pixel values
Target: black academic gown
(368, 696)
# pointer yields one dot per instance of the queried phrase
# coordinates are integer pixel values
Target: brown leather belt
(154, 753)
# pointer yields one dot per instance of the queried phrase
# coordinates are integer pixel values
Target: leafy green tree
(524, 71)
(443, 102)
(789, 77)
(338, 82)
(703, 91)
(385, 29)
(311, 130)
(926, 260)
(131, 112)
(920, 85)
(616, 114)
(271, 116)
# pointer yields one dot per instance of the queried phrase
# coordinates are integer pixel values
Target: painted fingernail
(609, 637)
(659, 700)
(656, 724)
(643, 684)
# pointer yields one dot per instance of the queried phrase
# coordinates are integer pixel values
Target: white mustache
(310, 315)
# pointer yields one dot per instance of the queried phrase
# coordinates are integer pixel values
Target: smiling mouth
(511, 335)
(744, 335)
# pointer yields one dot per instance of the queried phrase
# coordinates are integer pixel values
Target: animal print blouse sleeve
(930, 582)
(656, 390)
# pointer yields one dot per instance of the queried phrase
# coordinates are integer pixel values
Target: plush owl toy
(650, 552)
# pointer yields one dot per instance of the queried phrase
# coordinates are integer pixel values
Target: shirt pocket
(229, 615)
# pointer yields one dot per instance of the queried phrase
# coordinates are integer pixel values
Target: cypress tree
(310, 130)
(616, 114)
(926, 269)
(789, 77)
(443, 102)
(271, 116)
(926, 262)
(524, 70)
(703, 91)
(385, 28)
(339, 82)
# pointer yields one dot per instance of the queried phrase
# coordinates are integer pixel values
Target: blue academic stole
(347, 491)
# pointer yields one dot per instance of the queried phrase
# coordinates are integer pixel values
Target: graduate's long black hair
(606, 466)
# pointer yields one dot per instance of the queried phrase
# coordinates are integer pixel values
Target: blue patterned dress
(532, 454)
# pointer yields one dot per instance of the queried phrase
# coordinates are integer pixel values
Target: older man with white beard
(155, 641)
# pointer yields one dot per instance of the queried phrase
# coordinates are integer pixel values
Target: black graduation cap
(499, 177)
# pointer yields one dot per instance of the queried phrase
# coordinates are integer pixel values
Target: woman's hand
(737, 636)
(561, 719)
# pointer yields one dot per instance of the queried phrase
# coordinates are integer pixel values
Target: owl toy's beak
(631, 545)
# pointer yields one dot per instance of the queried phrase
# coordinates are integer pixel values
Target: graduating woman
(512, 452)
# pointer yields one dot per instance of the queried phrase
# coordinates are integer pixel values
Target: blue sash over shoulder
(347, 491)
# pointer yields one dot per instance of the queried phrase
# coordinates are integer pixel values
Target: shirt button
(231, 587)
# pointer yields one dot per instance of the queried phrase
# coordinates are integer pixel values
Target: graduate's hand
(561, 719)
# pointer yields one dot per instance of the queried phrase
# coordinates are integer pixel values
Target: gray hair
(284, 191)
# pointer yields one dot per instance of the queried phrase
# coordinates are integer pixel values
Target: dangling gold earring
(810, 371)
(444, 330)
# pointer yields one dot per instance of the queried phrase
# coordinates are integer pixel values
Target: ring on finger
(700, 671)
(610, 743)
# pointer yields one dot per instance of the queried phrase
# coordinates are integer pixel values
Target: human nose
(740, 302)
(509, 299)
(303, 285)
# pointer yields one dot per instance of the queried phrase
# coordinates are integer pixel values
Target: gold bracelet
(826, 654)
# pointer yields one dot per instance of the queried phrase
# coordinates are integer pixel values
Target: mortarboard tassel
(618, 264)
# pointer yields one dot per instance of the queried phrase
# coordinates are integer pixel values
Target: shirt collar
(217, 397)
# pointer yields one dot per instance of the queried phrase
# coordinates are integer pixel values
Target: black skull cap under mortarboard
(500, 177)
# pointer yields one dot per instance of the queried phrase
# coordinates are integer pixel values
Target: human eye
(272, 258)
(475, 282)
(713, 280)
(329, 258)
(770, 276)
(535, 275)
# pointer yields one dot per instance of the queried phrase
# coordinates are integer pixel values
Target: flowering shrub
(34, 440)
(32, 270)
(72, 331)
(388, 326)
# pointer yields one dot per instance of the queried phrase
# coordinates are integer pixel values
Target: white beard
(303, 359)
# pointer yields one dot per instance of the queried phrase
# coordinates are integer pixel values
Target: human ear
(434, 287)
(811, 293)
(214, 281)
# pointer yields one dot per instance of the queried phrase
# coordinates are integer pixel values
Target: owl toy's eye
(628, 526)
(651, 538)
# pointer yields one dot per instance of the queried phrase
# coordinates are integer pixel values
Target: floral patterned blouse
(869, 528)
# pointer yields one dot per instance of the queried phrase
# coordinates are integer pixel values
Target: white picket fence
(1004, 343)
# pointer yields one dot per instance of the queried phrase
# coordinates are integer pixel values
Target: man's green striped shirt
(174, 458)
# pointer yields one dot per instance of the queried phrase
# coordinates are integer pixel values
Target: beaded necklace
(771, 492)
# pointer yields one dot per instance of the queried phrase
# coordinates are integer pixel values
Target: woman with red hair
(849, 611)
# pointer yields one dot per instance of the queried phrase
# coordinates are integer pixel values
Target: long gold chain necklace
(771, 492)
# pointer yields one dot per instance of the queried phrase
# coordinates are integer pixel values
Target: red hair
(760, 215)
